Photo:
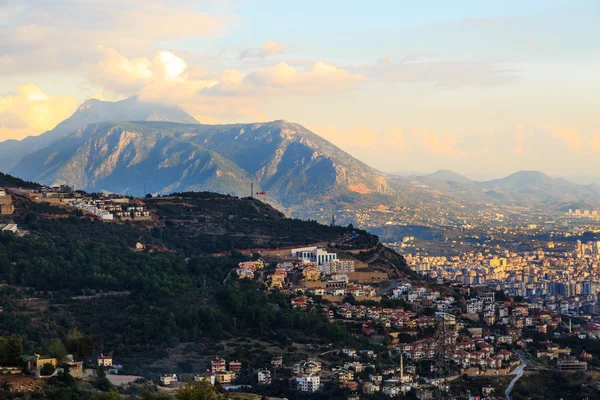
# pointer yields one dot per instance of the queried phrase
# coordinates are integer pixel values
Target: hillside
(176, 285)
(8, 181)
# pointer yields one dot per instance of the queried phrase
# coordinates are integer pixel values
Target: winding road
(519, 371)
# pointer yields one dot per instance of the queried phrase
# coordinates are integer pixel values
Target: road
(519, 371)
(393, 286)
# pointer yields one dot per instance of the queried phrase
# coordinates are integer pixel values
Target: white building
(11, 228)
(104, 361)
(264, 377)
(168, 379)
(308, 383)
(314, 254)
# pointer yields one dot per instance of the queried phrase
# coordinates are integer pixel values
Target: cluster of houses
(109, 208)
(246, 270)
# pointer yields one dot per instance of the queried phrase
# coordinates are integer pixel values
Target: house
(308, 383)
(307, 367)
(168, 379)
(208, 378)
(104, 361)
(349, 352)
(235, 366)
(370, 388)
(11, 228)
(277, 362)
(225, 377)
(217, 365)
(264, 377)
(75, 367)
(34, 363)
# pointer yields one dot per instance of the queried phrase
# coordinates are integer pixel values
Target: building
(235, 366)
(571, 364)
(11, 228)
(277, 362)
(34, 363)
(264, 377)
(104, 361)
(337, 267)
(307, 367)
(314, 254)
(7, 209)
(308, 383)
(168, 379)
(75, 367)
(225, 377)
(218, 365)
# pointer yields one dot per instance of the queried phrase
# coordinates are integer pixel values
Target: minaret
(401, 369)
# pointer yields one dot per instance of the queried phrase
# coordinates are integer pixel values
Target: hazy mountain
(449, 176)
(288, 161)
(91, 112)
(535, 186)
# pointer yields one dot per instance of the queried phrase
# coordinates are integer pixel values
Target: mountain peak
(447, 175)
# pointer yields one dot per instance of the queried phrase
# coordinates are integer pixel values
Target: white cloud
(166, 78)
(283, 78)
(272, 48)
(446, 73)
(65, 33)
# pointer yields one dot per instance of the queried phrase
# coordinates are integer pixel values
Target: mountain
(536, 187)
(290, 163)
(449, 176)
(91, 111)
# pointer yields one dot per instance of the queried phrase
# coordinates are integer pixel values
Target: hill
(8, 181)
(90, 112)
(140, 303)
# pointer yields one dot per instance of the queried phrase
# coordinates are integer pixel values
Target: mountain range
(131, 145)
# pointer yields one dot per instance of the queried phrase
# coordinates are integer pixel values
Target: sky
(484, 88)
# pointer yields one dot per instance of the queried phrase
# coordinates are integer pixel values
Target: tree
(14, 349)
(202, 390)
(80, 345)
(101, 382)
(47, 369)
(57, 349)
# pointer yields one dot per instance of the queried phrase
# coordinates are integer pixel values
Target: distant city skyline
(481, 88)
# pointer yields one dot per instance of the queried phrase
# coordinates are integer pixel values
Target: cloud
(360, 141)
(595, 142)
(283, 78)
(65, 33)
(446, 73)
(272, 48)
(444, 144)
(166, 78)
(31, 111)
(527, 136)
